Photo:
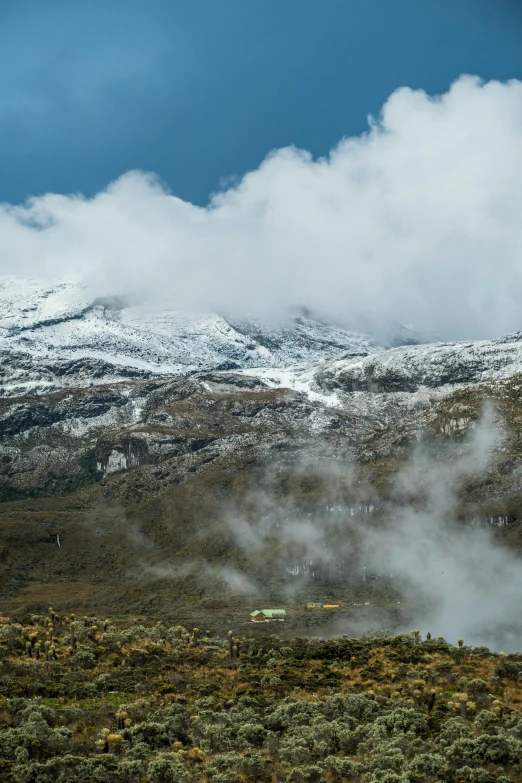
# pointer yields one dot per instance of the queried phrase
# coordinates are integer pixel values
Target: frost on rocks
(432, 366)
(55, 336)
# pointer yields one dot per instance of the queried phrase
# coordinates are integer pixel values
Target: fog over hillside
(456, 578)
(416, 221)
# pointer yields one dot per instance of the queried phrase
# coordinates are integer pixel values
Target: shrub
(497, 749)
(225, 777)
(462, 752)
(70, 769)
(253, 733)
(485, 720)
(253, 767)
(38, 712)
(389, 758)
(493, 749)
(167, 769)
(477, 687)
(429, 765)
(452, 730)
(141, 750)
(84, 658)
(387, 777)
(470, 775)
(360, 707)
(310, 774)
(271, 680)
(294, 750)
(138, 657)
(341, 769)
(131, 771)
(402, 720)
(154, 734)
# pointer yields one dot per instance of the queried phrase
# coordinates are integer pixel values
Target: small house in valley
(267, 615)
(331, 606)
(314, 605)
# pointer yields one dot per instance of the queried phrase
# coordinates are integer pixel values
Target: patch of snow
(52, 336)
(297, 378)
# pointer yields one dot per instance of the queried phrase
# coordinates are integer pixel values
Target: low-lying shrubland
(102, 701)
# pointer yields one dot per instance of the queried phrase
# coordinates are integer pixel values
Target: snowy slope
(433, 366)
(404, 376)
(53, 336)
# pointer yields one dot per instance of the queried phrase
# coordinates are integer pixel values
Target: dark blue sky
(200, 90)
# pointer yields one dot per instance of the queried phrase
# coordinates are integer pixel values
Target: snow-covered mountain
(156, 417)
(54, 336)
(57, 336)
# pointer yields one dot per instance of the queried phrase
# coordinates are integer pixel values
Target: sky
(200, 91)
(250, 156)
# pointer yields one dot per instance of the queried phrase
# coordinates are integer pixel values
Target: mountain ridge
(52, 336)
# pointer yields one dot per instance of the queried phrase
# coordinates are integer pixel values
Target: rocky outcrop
(408, 369)
(120, 454)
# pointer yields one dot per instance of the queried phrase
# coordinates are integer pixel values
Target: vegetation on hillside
(97, 700)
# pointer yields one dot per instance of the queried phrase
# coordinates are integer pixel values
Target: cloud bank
(416, 221)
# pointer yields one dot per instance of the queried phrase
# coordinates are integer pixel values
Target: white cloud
(418, 220)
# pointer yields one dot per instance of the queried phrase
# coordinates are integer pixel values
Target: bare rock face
(69, 438)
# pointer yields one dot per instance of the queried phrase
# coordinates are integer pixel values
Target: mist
(416, 221)
(417, 551)
(469, 582)
(452, 576)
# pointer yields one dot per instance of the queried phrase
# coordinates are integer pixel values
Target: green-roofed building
(268, 615)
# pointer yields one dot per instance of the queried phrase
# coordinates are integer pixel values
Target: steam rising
(418, 220)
